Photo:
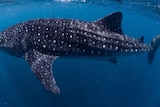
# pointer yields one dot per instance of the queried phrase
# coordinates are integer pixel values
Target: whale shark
(41, 41)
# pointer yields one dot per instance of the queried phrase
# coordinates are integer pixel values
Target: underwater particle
(115, 70)
(29, 80)
(149, 75)
(5, 103)
(97, 81)
(93, 70)
(113, 82)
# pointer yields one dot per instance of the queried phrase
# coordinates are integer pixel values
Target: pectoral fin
(41, 65)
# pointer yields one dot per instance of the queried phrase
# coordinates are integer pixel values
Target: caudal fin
(155, 43)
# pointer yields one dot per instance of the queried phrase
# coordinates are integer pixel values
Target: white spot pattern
(63, 37)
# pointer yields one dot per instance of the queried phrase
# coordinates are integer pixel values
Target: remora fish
(41, 41)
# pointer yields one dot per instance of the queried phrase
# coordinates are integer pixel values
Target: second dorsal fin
(141, 39)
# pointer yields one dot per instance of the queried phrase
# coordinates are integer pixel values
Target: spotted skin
(72, 37)
(41, 41)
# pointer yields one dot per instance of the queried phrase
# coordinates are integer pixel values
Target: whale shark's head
(5, 42)
(11, 41)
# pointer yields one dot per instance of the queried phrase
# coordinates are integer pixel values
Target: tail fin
(155, 43)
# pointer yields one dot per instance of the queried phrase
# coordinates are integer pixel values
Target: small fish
(41, 41)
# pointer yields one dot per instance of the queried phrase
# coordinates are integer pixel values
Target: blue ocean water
(132, 82)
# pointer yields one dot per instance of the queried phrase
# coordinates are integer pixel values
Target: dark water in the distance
(84, 83)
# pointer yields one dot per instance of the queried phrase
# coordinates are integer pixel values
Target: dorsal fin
(112, 22)
(141, 39)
